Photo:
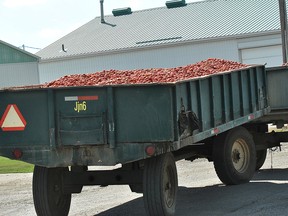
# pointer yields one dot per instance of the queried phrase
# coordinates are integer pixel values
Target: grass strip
(14, 166)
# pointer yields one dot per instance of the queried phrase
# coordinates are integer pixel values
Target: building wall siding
(172, 56)
(142, 58)
(11, 55)
(19, 74)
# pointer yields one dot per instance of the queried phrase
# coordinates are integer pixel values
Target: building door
(269, 55)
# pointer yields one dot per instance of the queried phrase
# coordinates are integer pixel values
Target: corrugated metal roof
(196, 21)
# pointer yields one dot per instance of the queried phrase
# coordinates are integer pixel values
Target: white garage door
(270, 55)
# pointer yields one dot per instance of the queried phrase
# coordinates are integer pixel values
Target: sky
(38, 23)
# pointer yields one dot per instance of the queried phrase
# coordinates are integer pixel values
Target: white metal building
(17, 67)
(246, 31)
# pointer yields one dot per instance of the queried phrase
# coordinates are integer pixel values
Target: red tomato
(153, 75)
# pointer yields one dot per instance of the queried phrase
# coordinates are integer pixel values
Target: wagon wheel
(260, 158)
(160, 185)
(48, 196)
(234, 156)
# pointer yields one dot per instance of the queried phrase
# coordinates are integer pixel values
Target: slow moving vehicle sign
(12, 119)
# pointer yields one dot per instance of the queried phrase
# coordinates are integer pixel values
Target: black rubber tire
(260, 158)
(48, 197)
(160, 185)
(234, 156)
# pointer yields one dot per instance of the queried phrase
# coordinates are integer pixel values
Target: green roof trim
(122, 11)
(12, 54)
(175, 3)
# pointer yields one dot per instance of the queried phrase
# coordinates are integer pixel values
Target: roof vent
(102, 11)
(175, 3)
(122, 11)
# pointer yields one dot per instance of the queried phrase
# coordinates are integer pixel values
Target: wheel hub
(236, 156)
(240, 155)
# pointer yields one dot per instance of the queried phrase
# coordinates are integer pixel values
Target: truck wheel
(234, 156)
(260, 158)
(48, 197)
(160, 185)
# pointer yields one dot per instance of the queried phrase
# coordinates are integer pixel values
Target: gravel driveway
(200, 193)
